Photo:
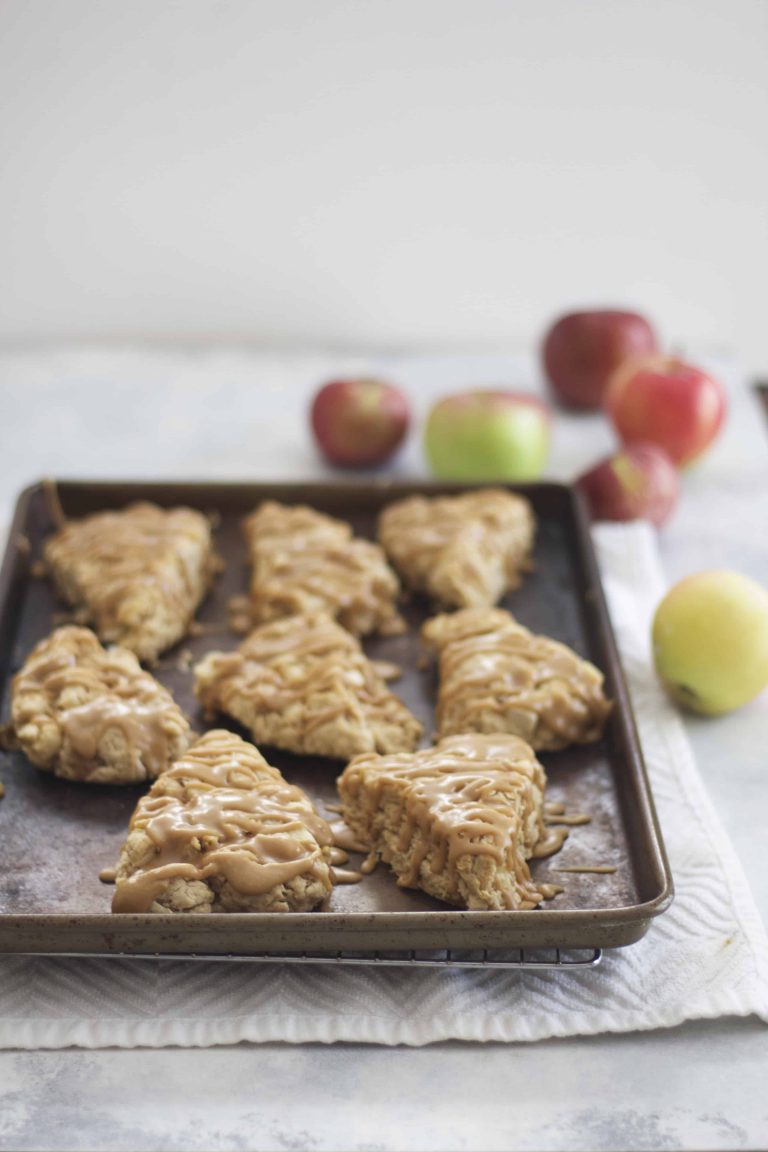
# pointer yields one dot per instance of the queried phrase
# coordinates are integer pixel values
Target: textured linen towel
(707, 956)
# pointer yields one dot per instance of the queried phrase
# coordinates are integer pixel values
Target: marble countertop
(234, 413)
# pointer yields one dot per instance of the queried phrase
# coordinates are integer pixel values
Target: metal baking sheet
(56, 836)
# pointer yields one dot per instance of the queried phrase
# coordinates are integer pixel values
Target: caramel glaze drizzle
(387, 669)
(125, 565)
(574, 820)
(295, 660)
(468, 796)
(493, 670)
(240, 614)
(304, 561)
(70, 681)
(223, 814)
(345, 839)
(344, 876)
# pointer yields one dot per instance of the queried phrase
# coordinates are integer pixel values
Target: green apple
(710, 641)
(487, 435)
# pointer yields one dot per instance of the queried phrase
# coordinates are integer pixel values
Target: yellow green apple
(488, 435)
(710, 641)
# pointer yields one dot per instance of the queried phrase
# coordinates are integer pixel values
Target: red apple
(663, 401)
(583, 349)
(489, 435)
(358, 423)
(639, 483)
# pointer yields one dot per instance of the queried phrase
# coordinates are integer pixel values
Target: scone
(464, 551)
(93, 714)
(304, 684)
(222, 831)
(459, 820)
(305, 561)
(137, 574)
(496, 676)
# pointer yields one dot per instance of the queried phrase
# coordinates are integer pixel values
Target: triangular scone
(137, 574)
(496, 676)
(222, 831)
(459, 820)
(304, 684)
(93, 714)
(464, 551)
(305, 561)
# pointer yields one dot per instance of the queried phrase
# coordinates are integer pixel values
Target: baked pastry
(93, 714)
(305, 561)
(459, 820)
(222, 831)
(496, 676)
(464, 551)
(305, 684)
(137, 574)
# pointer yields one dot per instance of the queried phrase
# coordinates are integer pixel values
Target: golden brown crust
(222, 831)
(138, 574)
(304, 684)
(93, 714)
(459, 820)
(304, 561)
(496, 676)
(463, 551)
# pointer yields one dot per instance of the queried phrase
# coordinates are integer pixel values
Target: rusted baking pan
(56, 836)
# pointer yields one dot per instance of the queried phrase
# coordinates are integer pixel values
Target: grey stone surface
(698, 1086)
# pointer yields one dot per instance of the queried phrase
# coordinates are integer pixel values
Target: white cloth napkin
(707, 956)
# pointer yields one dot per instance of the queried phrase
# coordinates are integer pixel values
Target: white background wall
(397, 173)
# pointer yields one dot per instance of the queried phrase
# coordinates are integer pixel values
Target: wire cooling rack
(520, 959)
